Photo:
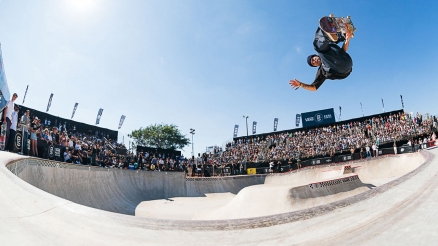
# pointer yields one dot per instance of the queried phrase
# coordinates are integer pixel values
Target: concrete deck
(400, 212)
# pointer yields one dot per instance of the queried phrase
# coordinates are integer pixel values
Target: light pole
(246, 118)
(192, 131)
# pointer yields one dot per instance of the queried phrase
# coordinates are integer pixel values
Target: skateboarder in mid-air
(333, 62)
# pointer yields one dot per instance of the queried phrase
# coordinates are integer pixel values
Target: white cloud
(298, 49)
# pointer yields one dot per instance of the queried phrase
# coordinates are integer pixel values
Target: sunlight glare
(83, 5)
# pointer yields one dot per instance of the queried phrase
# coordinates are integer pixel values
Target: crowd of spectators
(356, 136)
(80, 147)
(326, 141)
(360, 136)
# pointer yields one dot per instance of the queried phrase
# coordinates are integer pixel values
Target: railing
(18, 166)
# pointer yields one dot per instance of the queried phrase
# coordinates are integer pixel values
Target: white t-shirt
(10, 109)
(14, 120)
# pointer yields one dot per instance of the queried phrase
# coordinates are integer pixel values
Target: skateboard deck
(331, 26)
(3, 136)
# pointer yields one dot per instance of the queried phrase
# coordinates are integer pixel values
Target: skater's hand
(348, 35)
(295, 84)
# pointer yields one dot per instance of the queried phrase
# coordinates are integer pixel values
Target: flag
(254, 126)
(401, 98)
(25, 93)
(236, 129)
(383, 105)
(275, 124)
(49, 103)
(121, 121)
(99, 114)
(340, 112)
(74, 110)
(361, 108)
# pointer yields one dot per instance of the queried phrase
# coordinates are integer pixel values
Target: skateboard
(331, 26)
(3, 136)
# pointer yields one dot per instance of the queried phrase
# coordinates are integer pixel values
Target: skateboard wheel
(332, 15)
(348, 17)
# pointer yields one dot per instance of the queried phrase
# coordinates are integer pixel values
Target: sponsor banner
(251, 171)
(284, 169)
(51, 152)
(342, 158)
(226, 170)
(321, 161)
(55, 152)
(18, 141)
(254, 127)
(262, 170)
(386, 151)
(275, 124)
(404, 149)
(400, 150)
(236, 129)
(318, 117)
(297, 120)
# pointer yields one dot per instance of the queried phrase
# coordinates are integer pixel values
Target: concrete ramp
(120, 191)
(268, 199)
(307, 175)
(385, 169)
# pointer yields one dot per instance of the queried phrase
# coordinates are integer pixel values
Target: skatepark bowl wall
(162, 195)
(117, 190)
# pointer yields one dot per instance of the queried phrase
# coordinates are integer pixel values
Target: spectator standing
(271, 167)
(13, 129)
(374, 147)
(25, 119)
(33, 136)
(55, 135)
(7, 115)
(63, 140)
(367, 149)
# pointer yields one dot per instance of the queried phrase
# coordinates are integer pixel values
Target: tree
(160, 136)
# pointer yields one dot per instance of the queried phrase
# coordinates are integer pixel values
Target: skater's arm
(347, 41)
(297, 84)
(319, 79)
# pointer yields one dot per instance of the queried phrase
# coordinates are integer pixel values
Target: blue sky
(205, 64)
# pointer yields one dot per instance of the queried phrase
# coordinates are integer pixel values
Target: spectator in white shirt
(7, 115)
(12, 129)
